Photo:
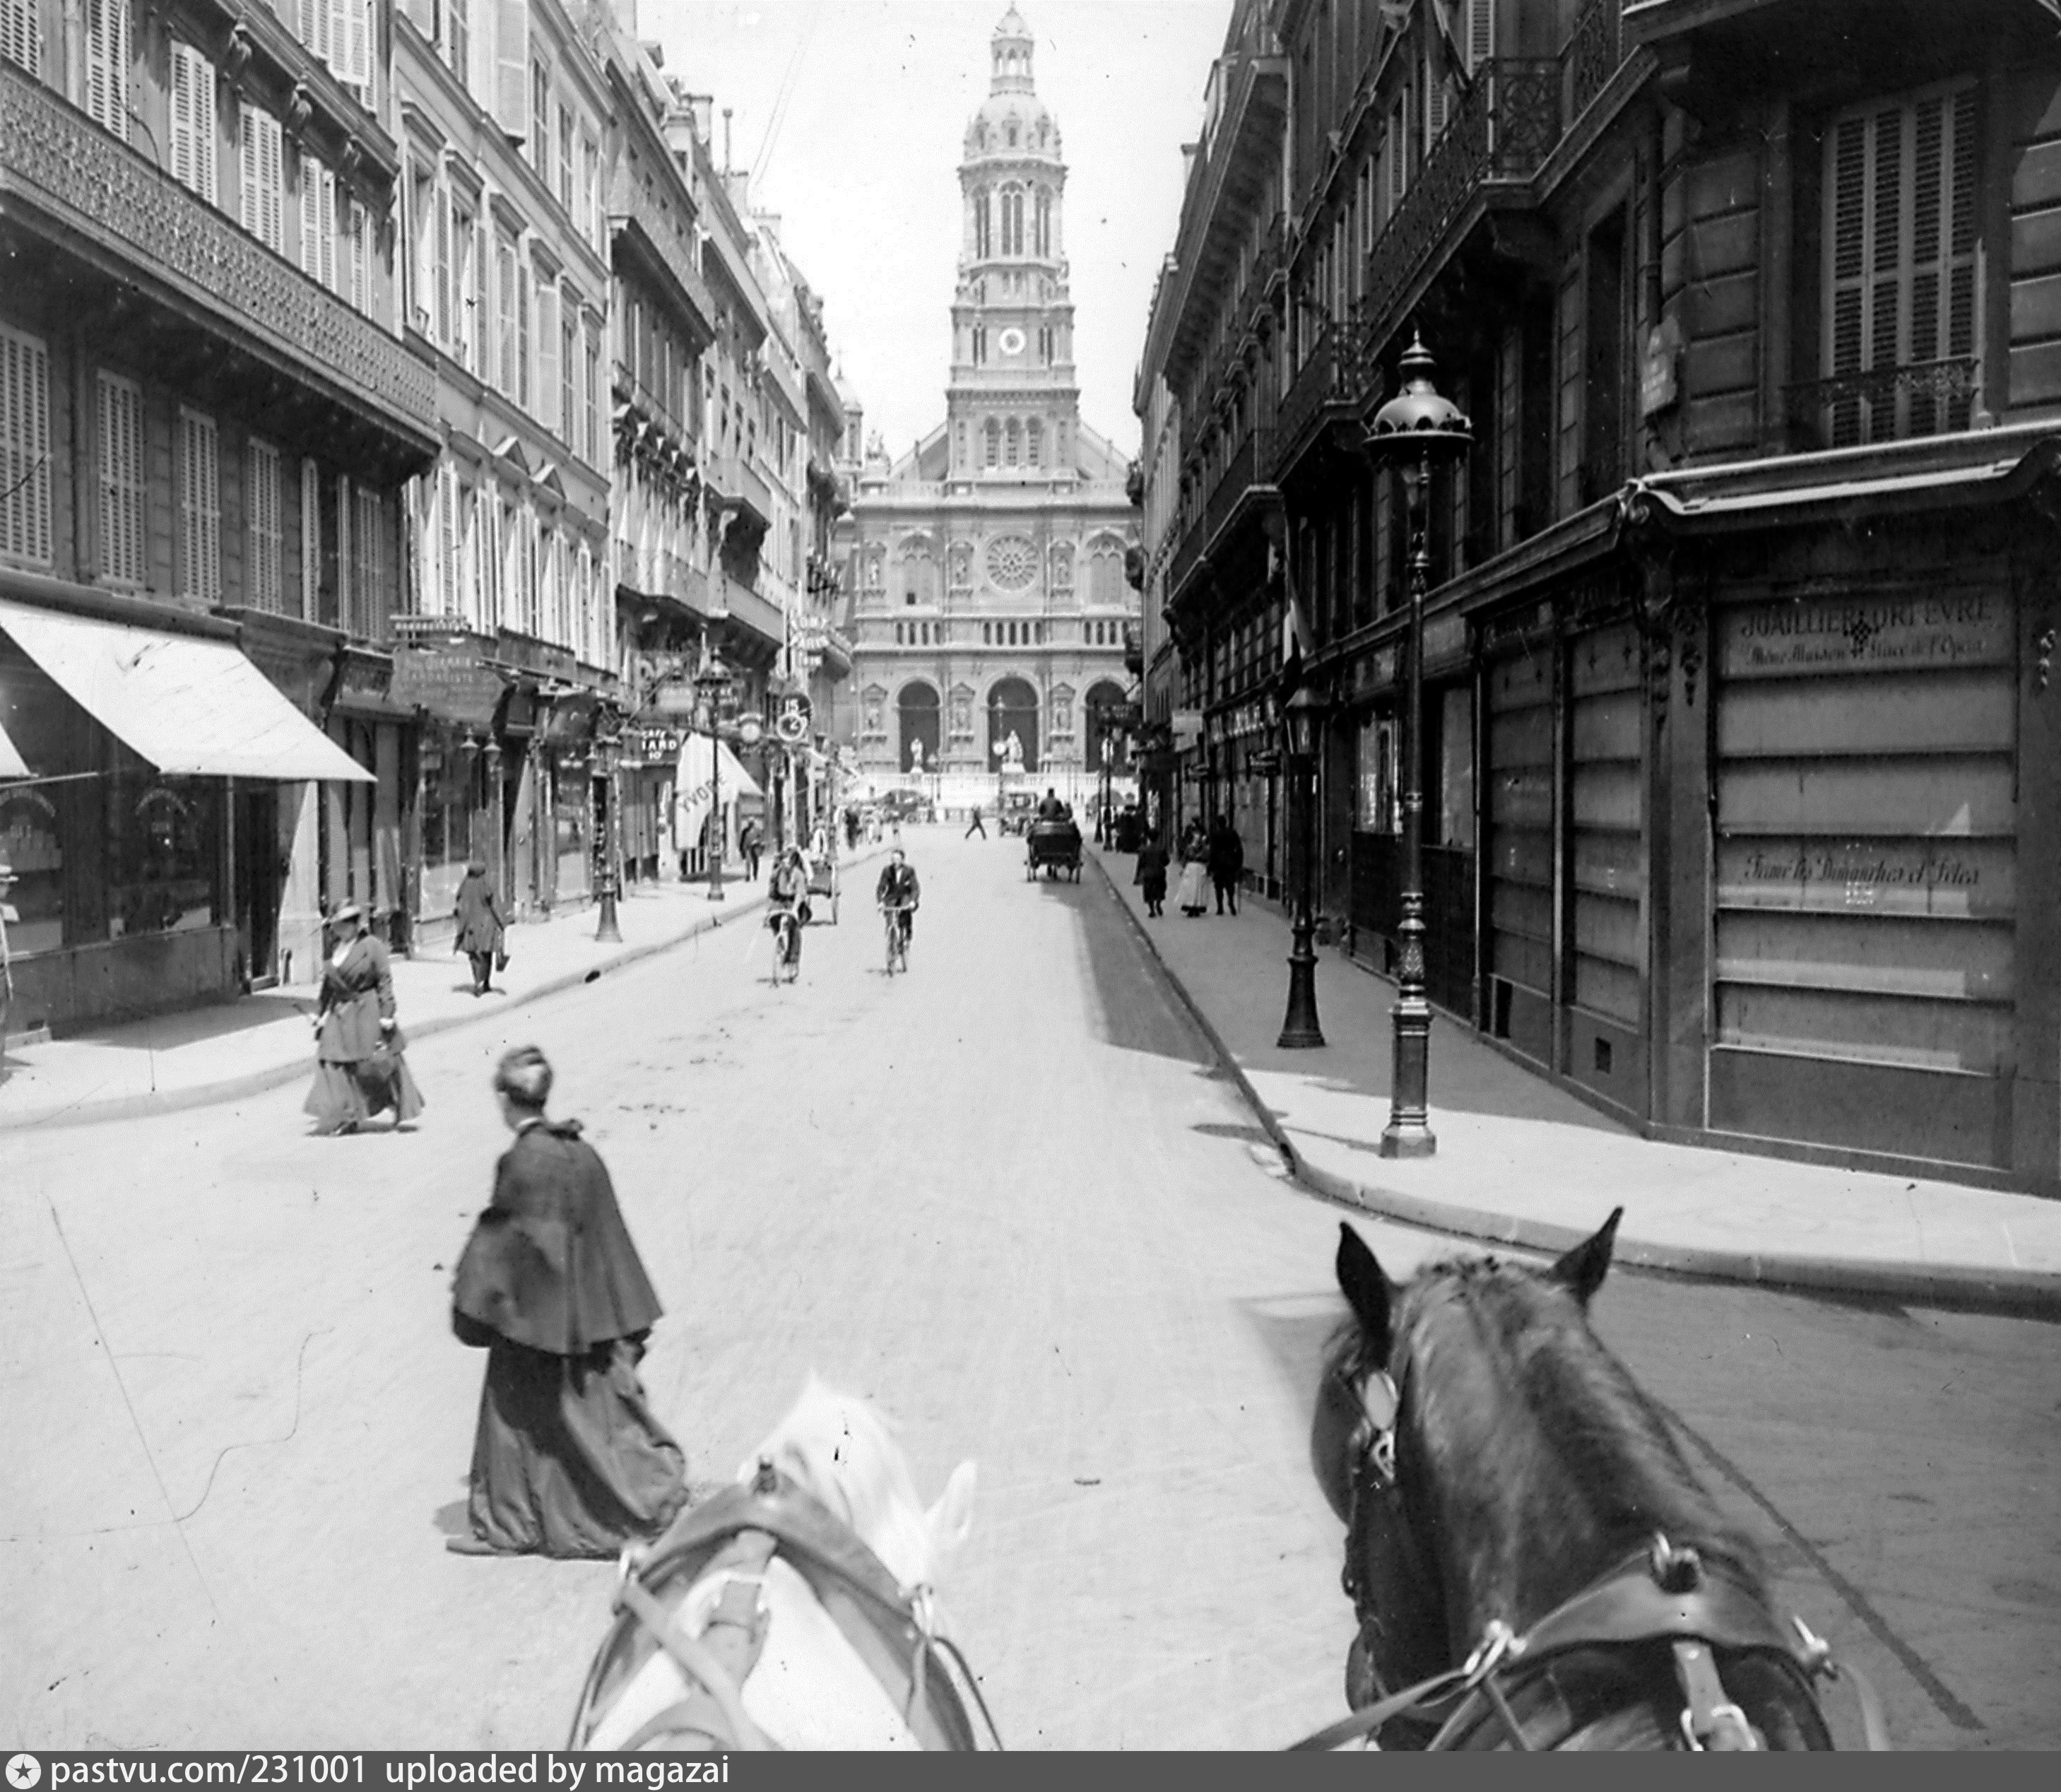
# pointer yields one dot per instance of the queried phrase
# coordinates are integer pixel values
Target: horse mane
(1546, 1463)
(842, 1450)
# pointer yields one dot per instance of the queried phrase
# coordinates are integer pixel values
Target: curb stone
(2025, 1294)
(256, 1083)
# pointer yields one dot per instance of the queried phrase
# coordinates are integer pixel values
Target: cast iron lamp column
(1299, 1028)
(608, 933)
(714, 683)
(1415, 432)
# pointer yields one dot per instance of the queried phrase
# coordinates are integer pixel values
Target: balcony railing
(659, 572)
(1505, 126)
(68, 167)
(1886, 404)
(1594, 53)
(630, 208)
(1336, 372)
(1250, 461)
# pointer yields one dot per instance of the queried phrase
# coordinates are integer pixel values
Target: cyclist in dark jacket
(899, 889)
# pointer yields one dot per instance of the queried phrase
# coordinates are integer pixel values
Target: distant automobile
(1014, 813)
(906, 806)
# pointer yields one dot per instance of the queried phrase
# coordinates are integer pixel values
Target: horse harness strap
(719, 1661)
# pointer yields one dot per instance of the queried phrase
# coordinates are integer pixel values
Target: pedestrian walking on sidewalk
(1194, 869)
(483, 928)
(568, 1458)
(751, 844)
(1227, 862)
(975, 826)
(1151, 877)
(359, 1069)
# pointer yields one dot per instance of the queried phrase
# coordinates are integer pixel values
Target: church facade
(986, 566)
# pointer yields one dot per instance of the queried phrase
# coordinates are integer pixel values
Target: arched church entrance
(1106, 701)
(1012, 709)
(916, 710)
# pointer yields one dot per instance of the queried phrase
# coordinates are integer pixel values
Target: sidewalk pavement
(228, 1050)
(1521, 1163)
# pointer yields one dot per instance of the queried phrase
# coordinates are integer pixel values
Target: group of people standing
(1212, 856)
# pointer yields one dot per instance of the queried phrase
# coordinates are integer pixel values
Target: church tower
(1012, 404)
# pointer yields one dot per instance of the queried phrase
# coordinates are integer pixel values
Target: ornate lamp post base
(1300, 1030)
(608, 934)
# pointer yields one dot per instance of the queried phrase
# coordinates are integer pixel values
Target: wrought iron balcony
(1504, 127)
(659, 233)
(1334, 379)
(60, 164)
(1886, 404)
(1594, 52)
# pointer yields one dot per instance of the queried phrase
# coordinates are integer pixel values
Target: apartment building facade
(1737, 663)
(207, 423)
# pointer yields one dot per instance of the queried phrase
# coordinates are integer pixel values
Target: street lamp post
(608, 933)
(714, 684)
(1416, 432)
(1303, 717)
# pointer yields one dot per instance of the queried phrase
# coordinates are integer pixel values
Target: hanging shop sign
(452, 687)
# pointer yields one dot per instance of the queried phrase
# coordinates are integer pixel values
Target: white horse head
(842, 1450)
(810, 1688)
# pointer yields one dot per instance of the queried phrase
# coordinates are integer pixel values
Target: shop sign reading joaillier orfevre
(1857, 634)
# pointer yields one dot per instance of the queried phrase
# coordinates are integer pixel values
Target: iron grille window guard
(1887, 404)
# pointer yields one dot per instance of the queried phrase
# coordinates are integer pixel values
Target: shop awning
(191, 707)
(10, 761)
(694, 784)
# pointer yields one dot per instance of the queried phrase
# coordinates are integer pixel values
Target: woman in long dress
(359, 1071)
(1195, 872)
(568, 1459)
(481, 925)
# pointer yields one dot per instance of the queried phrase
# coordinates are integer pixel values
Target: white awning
(11, 761)
(193, 708)
(695, 785)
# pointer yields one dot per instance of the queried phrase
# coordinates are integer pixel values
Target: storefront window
(1377, 809)
(449, 795)
(32, 817)
(163, 859)
(1456, 769)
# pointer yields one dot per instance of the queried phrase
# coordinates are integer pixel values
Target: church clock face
(1012, 340)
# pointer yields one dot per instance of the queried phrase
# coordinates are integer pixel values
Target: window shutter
(183, 158)
(24, 446)
(107, 64)
(356, 70)
(310, 217)
(261, 506)
(271, 184)
(346, 586)
(443, 271)
(547, 356)
(311, 540)
(325, 230)
(121, 479)
(447, 593)
(20, 34)
(511, 67)
(320, 16)
(1434, 103)
(361, 265)
(1481, 33)
(200, 473)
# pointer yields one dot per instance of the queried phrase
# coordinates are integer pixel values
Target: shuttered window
(265, 549)
(24, 446)
(107, 64)
(310, 539)
(521, 277)
(358, 286)
(318, 222)
(121, 479)
(447, 540)
(262, 207)
(20, 34)
(1481, 33)
(193, 121)
(368, 564)
(547, 354)
(1900, 309)
(568, 364)
(440, 205)
(200, 508)
(504, 312)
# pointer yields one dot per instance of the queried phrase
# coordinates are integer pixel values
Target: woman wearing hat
(568, 1458)
(359, 1070)
(481, 925)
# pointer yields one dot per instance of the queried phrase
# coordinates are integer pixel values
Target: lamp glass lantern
(1417, 432)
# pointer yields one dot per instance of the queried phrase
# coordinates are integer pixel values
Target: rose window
(1012, 562)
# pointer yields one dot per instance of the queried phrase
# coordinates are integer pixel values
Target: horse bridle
(1710, 1719)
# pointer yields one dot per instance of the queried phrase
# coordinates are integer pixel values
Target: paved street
(1005, 1196)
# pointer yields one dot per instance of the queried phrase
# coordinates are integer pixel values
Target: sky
(862, 167)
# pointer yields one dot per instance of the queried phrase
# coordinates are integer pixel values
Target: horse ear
(1582, 1270)
(1366, 1288)
(951, 1518)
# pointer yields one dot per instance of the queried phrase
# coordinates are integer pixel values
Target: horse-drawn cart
(1052, 846)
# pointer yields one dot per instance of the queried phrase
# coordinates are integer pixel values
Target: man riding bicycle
(899, 891)
(787, 898)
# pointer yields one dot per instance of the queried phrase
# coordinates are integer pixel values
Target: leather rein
(1660, 1592)
(733, 1538)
